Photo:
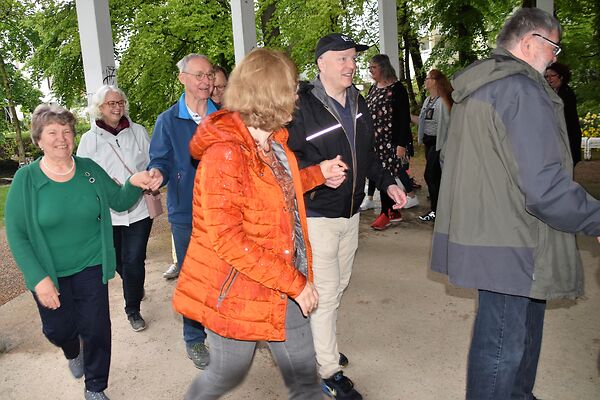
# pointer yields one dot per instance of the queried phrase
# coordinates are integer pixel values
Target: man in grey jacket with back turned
(508, 207)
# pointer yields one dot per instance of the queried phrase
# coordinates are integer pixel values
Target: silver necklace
(59, 173)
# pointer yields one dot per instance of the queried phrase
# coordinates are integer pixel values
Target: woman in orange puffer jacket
(247, 273)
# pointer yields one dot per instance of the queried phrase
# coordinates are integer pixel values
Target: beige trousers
(334, 242)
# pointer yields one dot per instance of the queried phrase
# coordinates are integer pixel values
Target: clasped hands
(147, 180)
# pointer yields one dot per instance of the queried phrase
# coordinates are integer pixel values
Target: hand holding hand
(47, 293)
(141, 179)
(397, 195)
(157, 179)
(308, 299)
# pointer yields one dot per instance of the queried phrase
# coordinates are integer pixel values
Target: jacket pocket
(226, 286)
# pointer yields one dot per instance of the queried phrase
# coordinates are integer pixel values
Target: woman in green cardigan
(59, 230)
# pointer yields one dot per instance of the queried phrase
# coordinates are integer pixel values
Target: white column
(244, 27)
(546, 5)
(388, 31)
(96, 44)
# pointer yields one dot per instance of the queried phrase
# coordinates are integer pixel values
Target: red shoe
(381, 222)
(395, 216)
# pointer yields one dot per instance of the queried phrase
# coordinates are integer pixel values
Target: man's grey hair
(98, 100)
(182, 64)
(524, 21)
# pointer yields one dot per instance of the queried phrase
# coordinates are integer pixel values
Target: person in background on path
(332, 119)
(220, 85)
(508, 207)
(247, 274)
(558, 77)
(172, 165)
(59, 230)
(120, 147)
(433, 127)
(390, 111)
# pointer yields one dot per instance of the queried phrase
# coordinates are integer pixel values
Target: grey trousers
(230, 361)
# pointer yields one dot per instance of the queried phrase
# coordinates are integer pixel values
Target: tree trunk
(411, 51)
(269, 28)
(12, 110)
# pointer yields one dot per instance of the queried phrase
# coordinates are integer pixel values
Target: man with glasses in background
(508, 207)
(172, 165)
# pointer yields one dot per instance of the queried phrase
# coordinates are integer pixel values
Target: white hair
(98, 100)
(181, 64)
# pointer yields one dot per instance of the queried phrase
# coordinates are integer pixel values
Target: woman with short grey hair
(120, 147)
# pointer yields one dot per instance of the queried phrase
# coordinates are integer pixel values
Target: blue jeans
(83, 314)
(130, 247)
(193, 331)
(505, 349)
(230, 360)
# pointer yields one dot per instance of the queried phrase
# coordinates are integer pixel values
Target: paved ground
(405, 330)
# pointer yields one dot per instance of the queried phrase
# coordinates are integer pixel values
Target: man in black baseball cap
(337, 42)
(332, 119)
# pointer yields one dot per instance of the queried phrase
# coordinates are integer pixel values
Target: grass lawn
(3, 192)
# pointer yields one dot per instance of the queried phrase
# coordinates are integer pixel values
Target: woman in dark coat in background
(558, 76)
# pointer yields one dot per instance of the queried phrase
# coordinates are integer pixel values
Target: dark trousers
(433, 170)
(505, 349)
(130, 247)
(83, 314)
(193, 331)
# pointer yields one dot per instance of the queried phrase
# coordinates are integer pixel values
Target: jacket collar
(183, 112)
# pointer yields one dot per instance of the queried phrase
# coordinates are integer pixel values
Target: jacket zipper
(352, 151)
(226, 286)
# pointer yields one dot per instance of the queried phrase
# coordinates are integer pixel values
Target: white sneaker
(367, 204)
(411, 202)
(172, 272)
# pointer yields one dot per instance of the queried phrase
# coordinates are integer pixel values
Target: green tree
(161, 33)
(57, 56)
(16, 42)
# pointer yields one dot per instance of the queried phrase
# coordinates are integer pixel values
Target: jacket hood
(499, 65)
(226, 126)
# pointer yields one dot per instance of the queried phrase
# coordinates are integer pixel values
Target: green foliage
(58, 55)
(162, 34)
(3, 193)
(468, 29)
(581, 49)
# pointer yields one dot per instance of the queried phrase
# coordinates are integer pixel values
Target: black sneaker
(343, 360)
(428, 217)
(340, 387)
(136, 321)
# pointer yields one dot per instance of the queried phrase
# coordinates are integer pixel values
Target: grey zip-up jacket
(508, 206)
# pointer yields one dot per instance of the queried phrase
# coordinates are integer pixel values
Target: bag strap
(120, 159)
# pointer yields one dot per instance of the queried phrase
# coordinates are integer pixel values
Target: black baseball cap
(337, 42)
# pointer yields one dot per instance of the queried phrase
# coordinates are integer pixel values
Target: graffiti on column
(109, 74)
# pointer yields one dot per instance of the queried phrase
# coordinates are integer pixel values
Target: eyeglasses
(113, 104)
(549, 75)
(220, 87)
(201, 75)
(556, 48)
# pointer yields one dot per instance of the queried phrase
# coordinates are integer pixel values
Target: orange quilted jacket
(238, 271)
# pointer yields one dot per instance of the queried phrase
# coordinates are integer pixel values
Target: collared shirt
(186, 113)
